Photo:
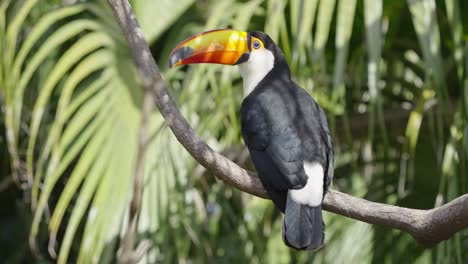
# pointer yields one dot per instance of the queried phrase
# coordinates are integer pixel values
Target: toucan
(284, 128)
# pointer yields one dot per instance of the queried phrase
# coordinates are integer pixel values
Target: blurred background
(392, 76)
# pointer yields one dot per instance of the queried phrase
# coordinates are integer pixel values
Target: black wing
(316, 128)
(276, 152)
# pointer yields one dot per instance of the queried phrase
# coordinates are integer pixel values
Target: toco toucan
(283, 127)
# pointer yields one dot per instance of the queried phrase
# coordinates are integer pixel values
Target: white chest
(258, 65)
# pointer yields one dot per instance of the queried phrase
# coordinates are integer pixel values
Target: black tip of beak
(179, 55)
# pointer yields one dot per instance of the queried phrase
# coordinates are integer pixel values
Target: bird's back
(281, 107)
(290, 106)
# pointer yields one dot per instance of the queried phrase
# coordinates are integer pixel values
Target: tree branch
(428, 227)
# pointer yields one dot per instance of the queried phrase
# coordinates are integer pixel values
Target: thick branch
(428, 227)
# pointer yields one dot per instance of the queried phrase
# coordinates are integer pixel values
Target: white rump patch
(258, 65)
(312, 193)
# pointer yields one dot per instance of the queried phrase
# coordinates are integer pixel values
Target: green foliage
(71, 109)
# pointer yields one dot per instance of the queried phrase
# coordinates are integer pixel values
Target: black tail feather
(303, 226)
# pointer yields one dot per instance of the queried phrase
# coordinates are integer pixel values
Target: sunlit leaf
(156, 16)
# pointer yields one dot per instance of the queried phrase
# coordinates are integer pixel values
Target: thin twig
(129, 254)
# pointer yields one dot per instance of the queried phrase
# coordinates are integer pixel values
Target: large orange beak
(222, 46)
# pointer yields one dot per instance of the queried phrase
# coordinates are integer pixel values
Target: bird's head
(255, 53)
(222, 46)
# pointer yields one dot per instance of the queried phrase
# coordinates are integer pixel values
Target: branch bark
(428, 227)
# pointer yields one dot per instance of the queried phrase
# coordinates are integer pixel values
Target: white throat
(258, 65)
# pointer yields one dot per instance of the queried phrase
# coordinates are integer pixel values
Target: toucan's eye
(256, 44)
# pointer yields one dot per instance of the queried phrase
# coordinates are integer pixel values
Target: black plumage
(284, 128)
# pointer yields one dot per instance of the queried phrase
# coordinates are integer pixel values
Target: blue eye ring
(256, 44)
